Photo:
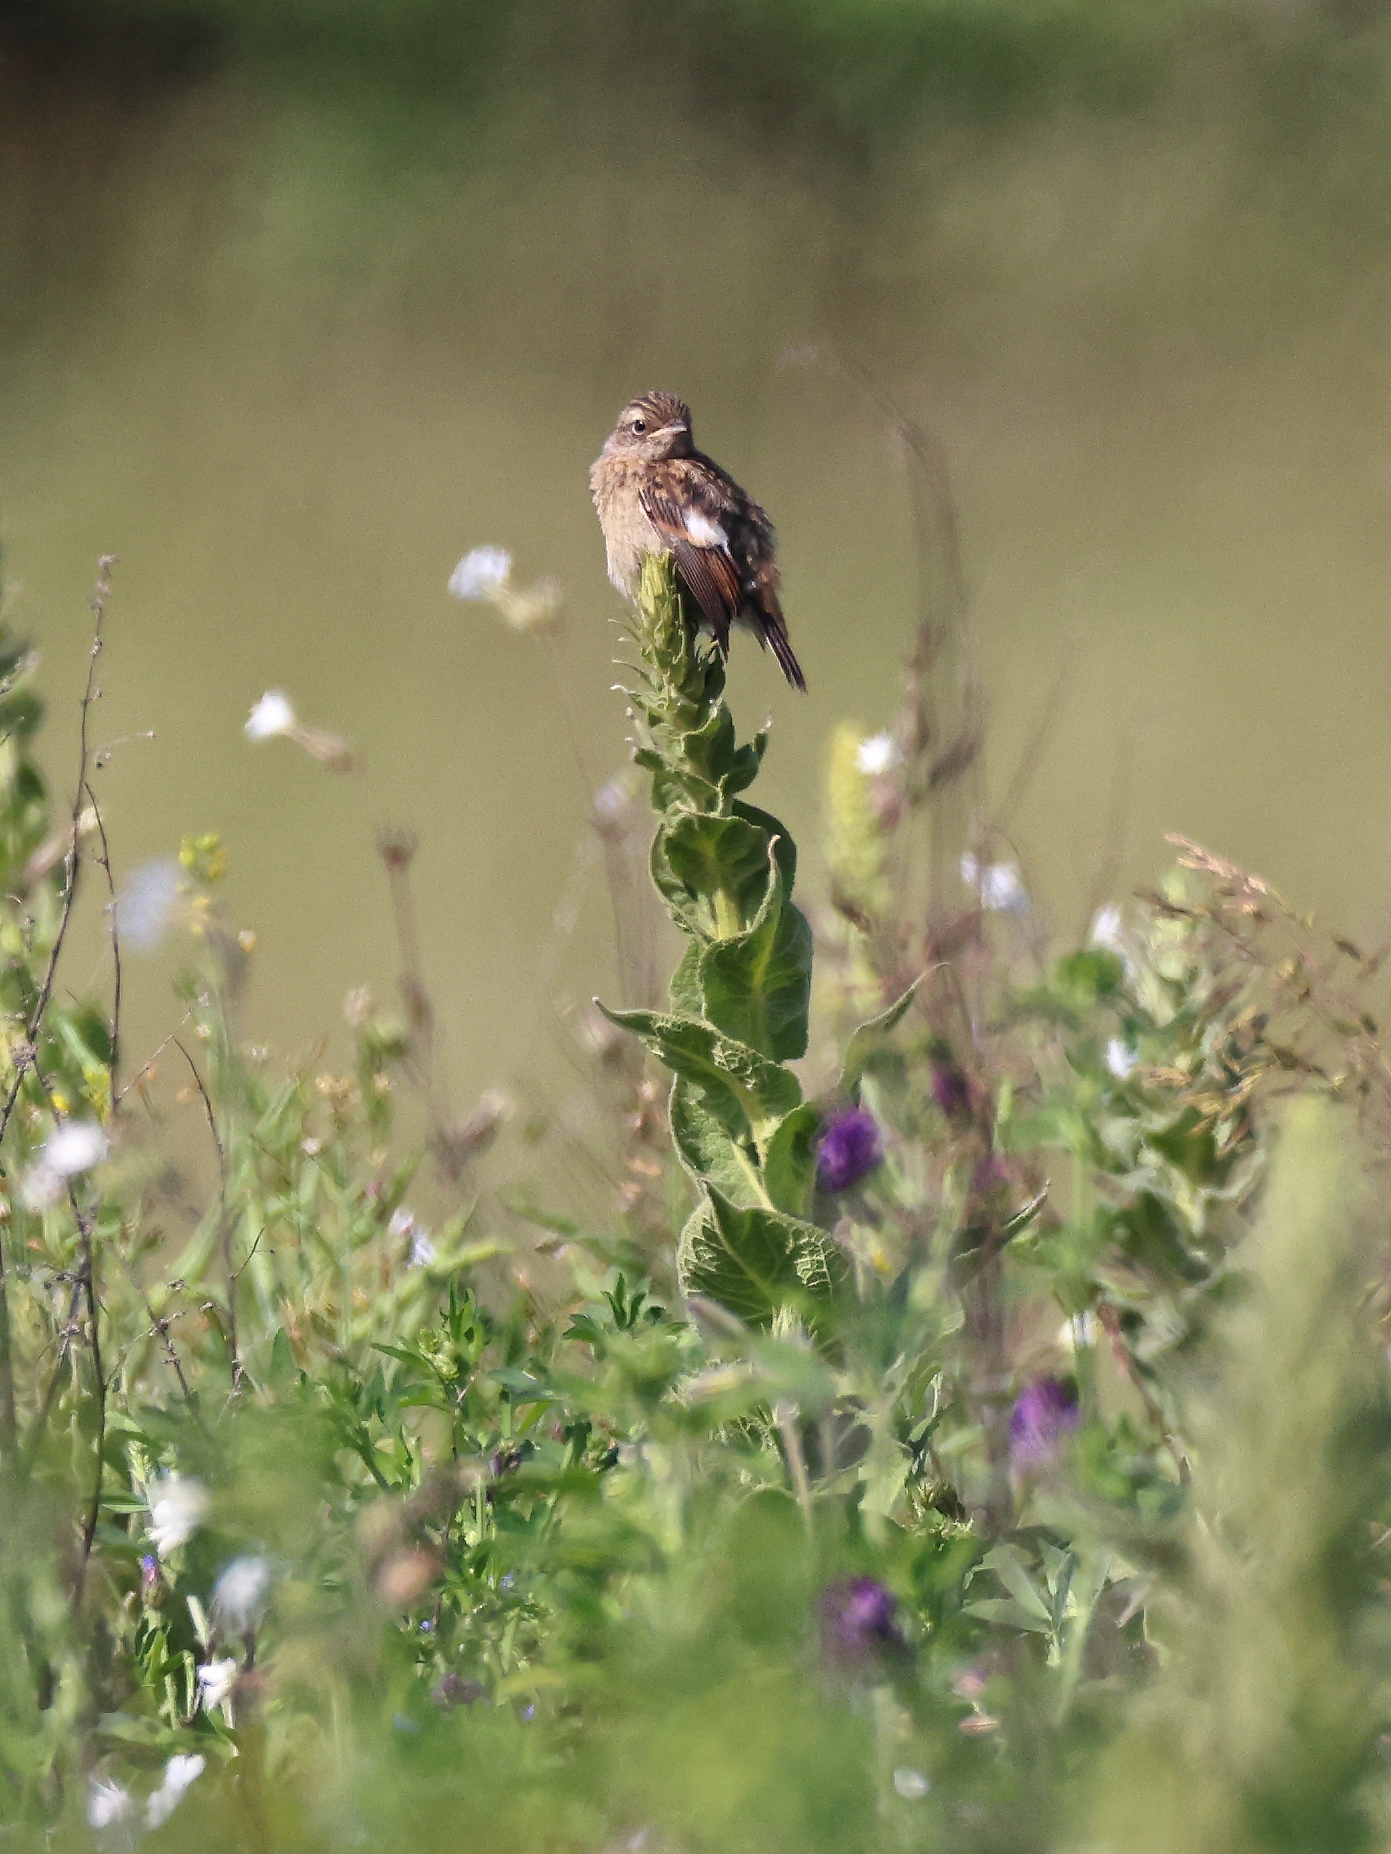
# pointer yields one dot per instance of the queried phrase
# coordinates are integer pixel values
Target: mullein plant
(739, 998)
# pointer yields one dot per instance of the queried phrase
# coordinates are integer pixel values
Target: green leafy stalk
(739, 997)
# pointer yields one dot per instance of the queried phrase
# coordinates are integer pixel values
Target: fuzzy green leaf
(789, 1166)
(758, 987)
(709, 869)
(712, 1135)
(699, 1052)
(685, 982)
(755, 1261)
(743, 767)
(866, 1040)
(1008, 1614)
(778, 835)
(712, 751)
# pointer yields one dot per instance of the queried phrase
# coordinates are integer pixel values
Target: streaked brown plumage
(657, 494)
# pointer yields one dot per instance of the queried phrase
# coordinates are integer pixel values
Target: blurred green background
(299, 302)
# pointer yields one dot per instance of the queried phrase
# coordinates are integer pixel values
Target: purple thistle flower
(848, 1149)
(149, 1575)
(1045, 1414)
(857, 1620)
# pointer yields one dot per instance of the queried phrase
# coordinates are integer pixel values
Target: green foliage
(1023, 1488)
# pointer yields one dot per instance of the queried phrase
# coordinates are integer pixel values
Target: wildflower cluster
(999, 1425)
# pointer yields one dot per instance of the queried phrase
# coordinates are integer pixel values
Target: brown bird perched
(657, 494)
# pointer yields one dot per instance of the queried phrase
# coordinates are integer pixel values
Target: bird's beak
(675, 429)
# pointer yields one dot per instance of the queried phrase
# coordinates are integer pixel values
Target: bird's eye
(639, 424)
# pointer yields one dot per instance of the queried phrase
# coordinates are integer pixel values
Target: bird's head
(651, 428)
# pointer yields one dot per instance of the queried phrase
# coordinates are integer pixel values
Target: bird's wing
(700, 547)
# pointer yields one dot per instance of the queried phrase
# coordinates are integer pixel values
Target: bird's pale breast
(628, 534)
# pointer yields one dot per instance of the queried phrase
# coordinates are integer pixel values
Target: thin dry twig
(153, 1057)
(452, 1144)
(207, 1106)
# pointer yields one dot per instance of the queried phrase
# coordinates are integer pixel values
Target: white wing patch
(703, 531)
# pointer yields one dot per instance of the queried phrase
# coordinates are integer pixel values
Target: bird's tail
(772, 630)
(763, 614)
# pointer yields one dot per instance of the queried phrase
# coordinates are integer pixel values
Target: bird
(655, 493)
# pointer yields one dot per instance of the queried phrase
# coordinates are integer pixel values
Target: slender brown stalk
(104, 858)
(224, 1224)
(89, 1284)
(71, 1327)
(159, 1326)
(448, 1143)
(8, 1433)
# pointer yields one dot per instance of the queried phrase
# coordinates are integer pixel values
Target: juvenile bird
(657, 494)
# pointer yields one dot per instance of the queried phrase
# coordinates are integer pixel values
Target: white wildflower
(612, 800)
(911, 1784)
(997, 884)
(181, 1770)
(481, 574)
(403, 1223)
(239, 1595)
(40, 1188)
(272, 715)
(107, 1803)
(215, 1682)
(1106, 929)
(1083, 1329)
(147, 903)
(74, 1147)
(178, 1506)
(1120, 1058)
(878, 755)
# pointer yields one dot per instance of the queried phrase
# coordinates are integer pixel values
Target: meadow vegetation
(980, 1446)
